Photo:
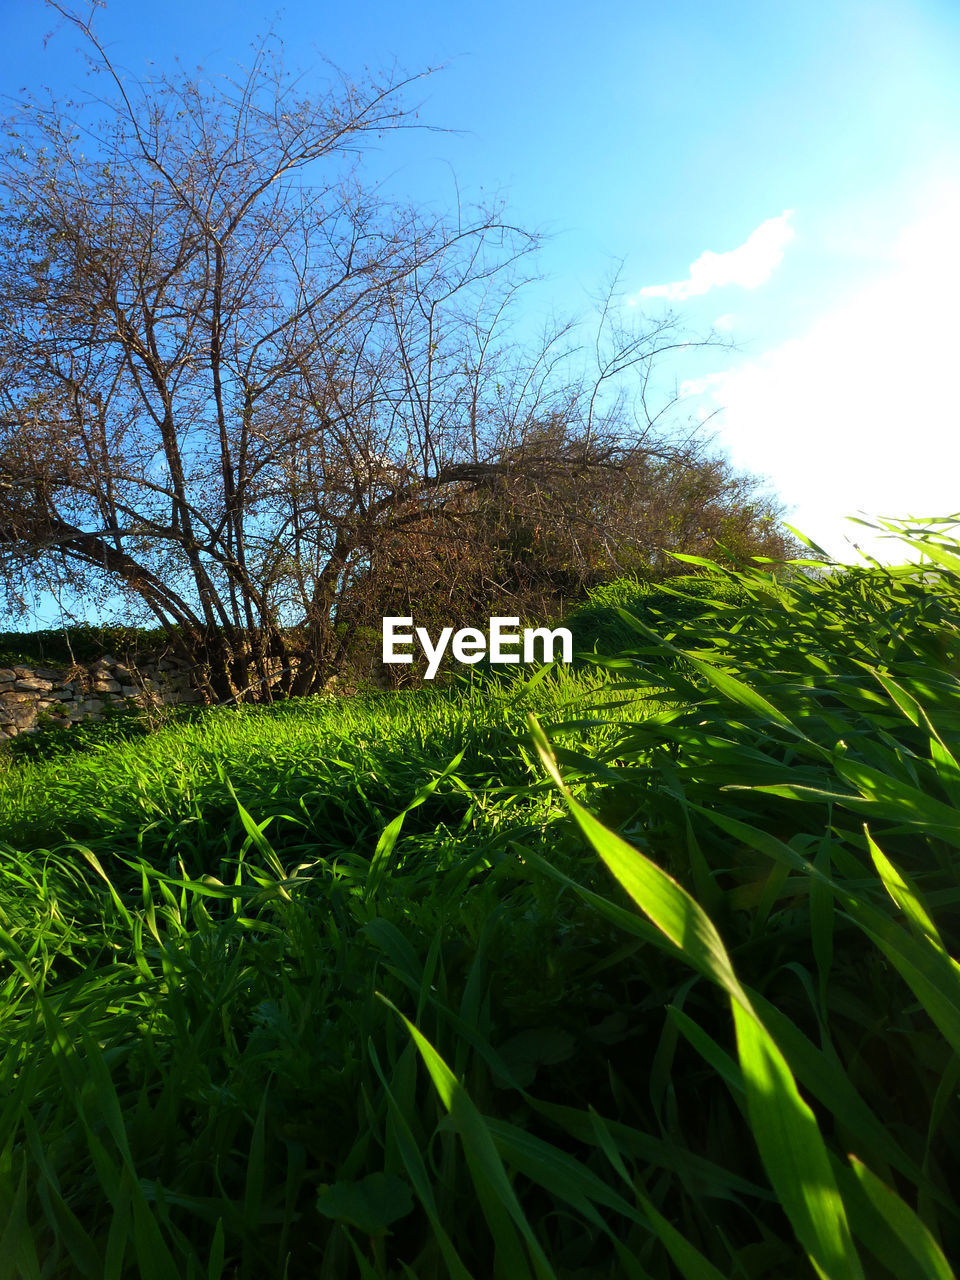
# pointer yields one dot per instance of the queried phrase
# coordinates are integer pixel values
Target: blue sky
(788, 170)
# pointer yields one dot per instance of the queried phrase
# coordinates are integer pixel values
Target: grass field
(645, 971)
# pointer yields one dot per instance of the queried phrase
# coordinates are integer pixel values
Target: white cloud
(749, 265)
(861, 413)
(725, 322)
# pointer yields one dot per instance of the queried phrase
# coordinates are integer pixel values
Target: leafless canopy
(231, 370)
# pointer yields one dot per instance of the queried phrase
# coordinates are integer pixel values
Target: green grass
(598, 624)
(644, 972)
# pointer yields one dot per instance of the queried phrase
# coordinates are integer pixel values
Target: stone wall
(35, 697)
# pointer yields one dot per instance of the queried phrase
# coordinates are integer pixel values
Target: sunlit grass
(640, 973)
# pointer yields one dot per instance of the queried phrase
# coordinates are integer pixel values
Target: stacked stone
(32, 698)
(27, 691)
(170, 681)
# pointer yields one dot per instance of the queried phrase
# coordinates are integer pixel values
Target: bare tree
(231, 370)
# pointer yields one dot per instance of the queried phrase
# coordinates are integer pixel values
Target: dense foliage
(346, 988)
(63, 646)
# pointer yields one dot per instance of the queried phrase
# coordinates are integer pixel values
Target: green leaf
(904, 893)
(370, 1205)
(18, 1253)
(497, 1197)
(416, 1171)
(540, 1046)
(391, 832)
(785, 1129)
(918, 1256)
